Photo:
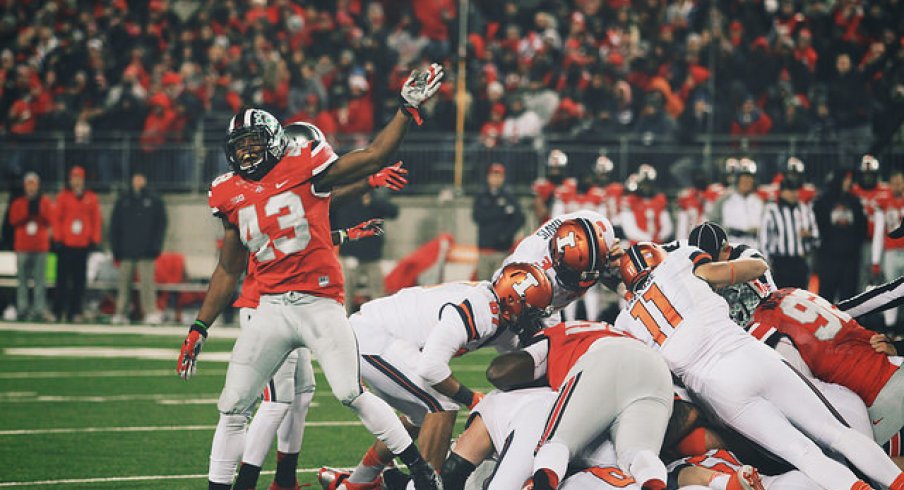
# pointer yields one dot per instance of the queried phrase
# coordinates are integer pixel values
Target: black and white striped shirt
(781, 232)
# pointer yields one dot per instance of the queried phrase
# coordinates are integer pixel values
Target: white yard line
(136, 373)
(171, 331)
(111, 479)
(154, 354)
(155, 428)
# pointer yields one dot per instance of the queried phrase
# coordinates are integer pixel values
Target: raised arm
(223, 281)
(359, 163)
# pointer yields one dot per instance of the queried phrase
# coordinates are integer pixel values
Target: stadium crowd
(660, 69)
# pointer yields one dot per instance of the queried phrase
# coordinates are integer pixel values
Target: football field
(97, 407)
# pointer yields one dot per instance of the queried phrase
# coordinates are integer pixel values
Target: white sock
(554, 456)
(291, 430)
(226, 449)
(379, 418)
(262, 431)
(646, 466)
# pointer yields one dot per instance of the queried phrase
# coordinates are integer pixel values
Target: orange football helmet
(639, 260)
(522, 289)
(579, 253)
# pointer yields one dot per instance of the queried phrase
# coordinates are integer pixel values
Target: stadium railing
(190, 166)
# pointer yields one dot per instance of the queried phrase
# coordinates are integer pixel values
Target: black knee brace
(456, 471)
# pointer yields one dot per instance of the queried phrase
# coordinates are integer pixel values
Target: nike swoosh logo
(877, 422)
(282, 184)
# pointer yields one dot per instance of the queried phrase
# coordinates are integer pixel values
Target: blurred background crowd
(563, 99)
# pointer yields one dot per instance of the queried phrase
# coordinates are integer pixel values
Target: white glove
(420, 86)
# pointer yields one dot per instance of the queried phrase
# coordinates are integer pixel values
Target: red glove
(369, 228)
(474, 401)
(392, 177)
(191, 347)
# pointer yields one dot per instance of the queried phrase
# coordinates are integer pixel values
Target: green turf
(65, 392)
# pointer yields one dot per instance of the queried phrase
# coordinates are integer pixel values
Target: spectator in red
(750, 121)
(491, 130)
(158, 123)
(31, 216)
(76, 230)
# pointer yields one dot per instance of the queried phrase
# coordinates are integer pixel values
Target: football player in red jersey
(645, 212)
(870, 190)
(836, 349)
(285, 401)
(888, 251)
(275, 206)
(793, 169)
(612, 190)
(580, 360)
(545, 187)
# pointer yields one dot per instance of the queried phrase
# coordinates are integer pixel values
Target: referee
(788, 234)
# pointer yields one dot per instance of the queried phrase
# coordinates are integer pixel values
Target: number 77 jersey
(284, 223)
(676, 312)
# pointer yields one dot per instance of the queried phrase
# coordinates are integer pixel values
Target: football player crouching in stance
(274, 206)
(407, 340)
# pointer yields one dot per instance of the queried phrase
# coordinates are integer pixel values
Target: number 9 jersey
(834, 346)
(283, 220)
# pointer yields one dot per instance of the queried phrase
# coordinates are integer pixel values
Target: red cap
(496, 168)
(498, 109)
(77, 170)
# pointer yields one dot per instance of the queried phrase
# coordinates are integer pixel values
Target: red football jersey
(870, 198)
(892, 210)
(612, 197)
(567, 342)
(544, 189)
(834, 346)
(284, 222)
(249, 297)
(646, 212)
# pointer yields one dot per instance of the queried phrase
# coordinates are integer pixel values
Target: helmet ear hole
(521, 288)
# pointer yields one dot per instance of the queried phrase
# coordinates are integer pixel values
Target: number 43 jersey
(834, 346)
(284, 222)
(678, 313)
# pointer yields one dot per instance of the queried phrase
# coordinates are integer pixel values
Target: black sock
(247, 479)
(218, 486)
(411, 456)
(286, 465)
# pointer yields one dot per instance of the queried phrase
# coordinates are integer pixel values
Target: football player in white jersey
(575, 250)
(407, 340)
(506, 425)
(673, 308)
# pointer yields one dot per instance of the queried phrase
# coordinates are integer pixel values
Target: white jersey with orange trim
(678, 313)
(534, 249)
(441, 321)
(515, 421)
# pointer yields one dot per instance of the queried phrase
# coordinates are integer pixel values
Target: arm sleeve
(539, 351)
(18, 212)
(878, 236)
(880, 298)
(447, 337)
